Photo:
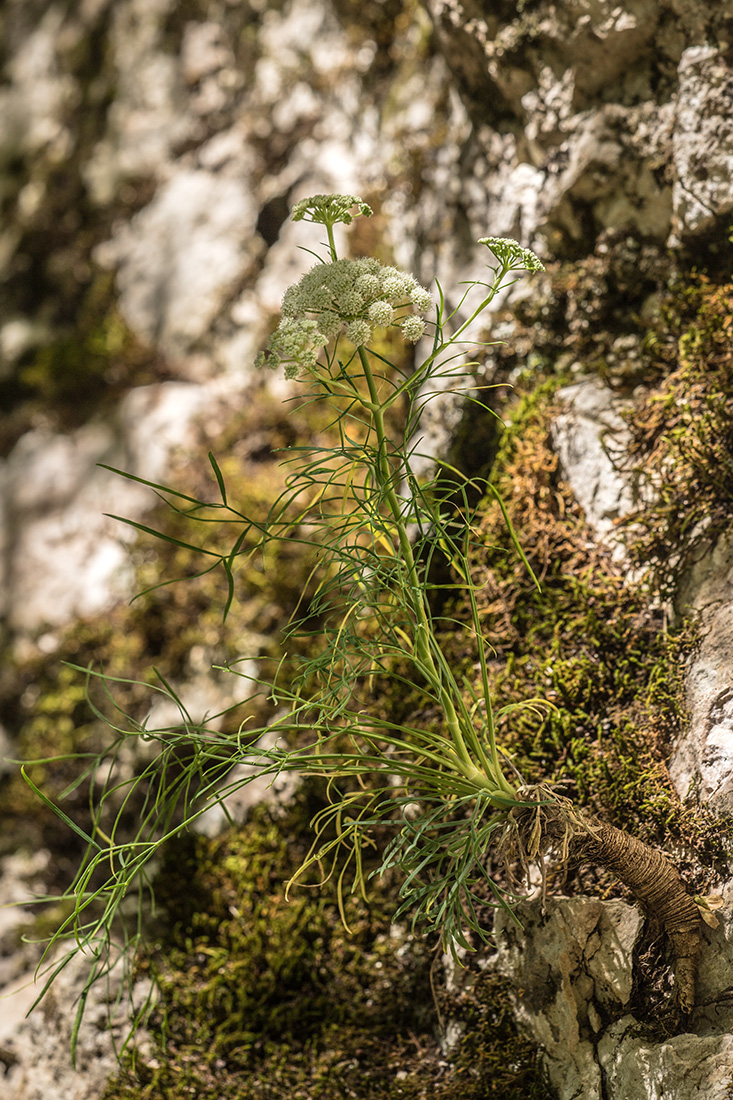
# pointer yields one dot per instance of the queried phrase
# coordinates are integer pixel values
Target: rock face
(702, 763)
(159, 145)
(551, 134)
(37, 1060)
(594, 99)
(702, 142)
(55, 496)
(573, 966)
(589, 437)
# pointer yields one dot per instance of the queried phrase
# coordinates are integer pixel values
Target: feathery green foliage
(375, 529)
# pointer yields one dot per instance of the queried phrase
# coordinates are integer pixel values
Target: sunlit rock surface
(589, 437)
(181, 141)
(702, 763)
(64, 557)
(572, 967)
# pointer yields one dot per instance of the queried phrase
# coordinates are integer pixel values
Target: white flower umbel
(511, 255)
(329, 209)
(353, 297)
(413, 328)
(295, 343)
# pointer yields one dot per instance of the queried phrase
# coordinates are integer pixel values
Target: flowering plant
(353, 297)
(447, 793)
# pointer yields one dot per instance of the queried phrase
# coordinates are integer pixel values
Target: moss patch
(593, 643)
(683, 430)
(265, 997)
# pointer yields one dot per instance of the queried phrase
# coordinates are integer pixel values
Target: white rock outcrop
(589, 437)
(37, 1062)
(64, 558)
(702, 142)
(189, 134)
(702, 763)
(572, 967)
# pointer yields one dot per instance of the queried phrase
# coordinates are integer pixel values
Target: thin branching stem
(426, 648)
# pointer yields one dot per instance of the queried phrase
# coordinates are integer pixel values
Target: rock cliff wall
(149, 152)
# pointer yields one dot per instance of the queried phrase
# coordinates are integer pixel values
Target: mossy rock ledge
(150, 155)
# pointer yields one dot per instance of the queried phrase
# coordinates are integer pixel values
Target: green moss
(490, 1050)
(591, 643)
(683, 431)
(268, 997)
(47, 709)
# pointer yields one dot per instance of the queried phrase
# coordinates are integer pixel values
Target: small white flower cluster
(329, 209)
(512, 255)
(353, 297)
(296, 343)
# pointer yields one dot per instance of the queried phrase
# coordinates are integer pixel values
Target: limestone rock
(572, 969)
(702, 762)
(577, 144)
(589, 437)
(64, 558)
(34, 101)
(38, 1066)
(182, 256)
(244, 788)
(685, 1067)
(571, 965)
(149, 115)
(702, 143)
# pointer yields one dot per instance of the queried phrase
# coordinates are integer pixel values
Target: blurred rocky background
(150, 151)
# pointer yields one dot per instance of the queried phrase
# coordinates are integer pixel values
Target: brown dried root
(653, 880)
(656, 884)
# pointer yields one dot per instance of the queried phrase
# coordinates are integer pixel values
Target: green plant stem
(440, 347)
(331, 241)
(495, 783)
(493, 291)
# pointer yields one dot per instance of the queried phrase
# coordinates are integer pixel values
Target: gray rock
(244, 788)
(702, 760)
(38, 93)
(179, 259)
(570, 965)
(702, 143)
(565, 142)
(572, 972)
(684, 1067)
(149, 116)
(38, 1051)
(63, 558)
(588, 438)
(21, 874)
